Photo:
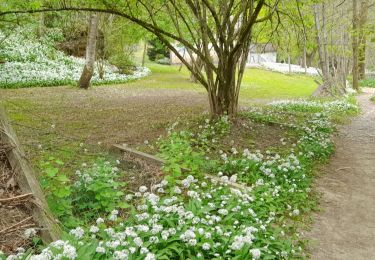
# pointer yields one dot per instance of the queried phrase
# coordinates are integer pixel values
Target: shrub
(157, 50)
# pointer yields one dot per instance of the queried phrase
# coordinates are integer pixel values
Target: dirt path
(345, 229)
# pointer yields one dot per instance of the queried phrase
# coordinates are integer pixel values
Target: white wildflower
(255, 253)
(99, 221)
(206, 246)
(30, 232)
(77, 232)
(100, 249)
(94, 229)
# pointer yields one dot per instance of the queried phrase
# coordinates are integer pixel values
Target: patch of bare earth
(245, 134)
(114, 114)
(15, 214)
(346, 227)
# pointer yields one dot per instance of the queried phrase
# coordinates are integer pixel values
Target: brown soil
(245, 134)
(139, 172)
(346, 227)
(108, 114)
(12, 212)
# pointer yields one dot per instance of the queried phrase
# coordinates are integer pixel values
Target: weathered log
(27, 181)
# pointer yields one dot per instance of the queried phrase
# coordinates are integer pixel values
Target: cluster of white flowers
(77, 232)
(229, 217)
(30, 232)
(57, 250)
(284, 68)
(28, 60)
(90, 175)
(311, 105)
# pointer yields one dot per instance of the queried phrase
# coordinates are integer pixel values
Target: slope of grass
(257, 83)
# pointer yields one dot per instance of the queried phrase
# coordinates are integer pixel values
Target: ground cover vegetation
(187, 215)
(29, 61)
(369, 83)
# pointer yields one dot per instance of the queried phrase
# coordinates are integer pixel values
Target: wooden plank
(145, 156)
(160, 162)
(27, 181)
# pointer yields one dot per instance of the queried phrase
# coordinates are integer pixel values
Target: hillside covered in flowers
(29, 62)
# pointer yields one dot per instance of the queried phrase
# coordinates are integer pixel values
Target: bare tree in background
(88, 70)
(362, 39)
(333, 46)
(355, 45)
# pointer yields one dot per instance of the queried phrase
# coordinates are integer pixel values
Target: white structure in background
(258, 53)
(264, 56)
(260, 56)
(284, 68)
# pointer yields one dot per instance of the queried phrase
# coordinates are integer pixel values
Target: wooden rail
(27, 181)
(160, 162)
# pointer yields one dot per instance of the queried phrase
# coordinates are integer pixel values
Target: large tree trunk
(362, 55)
(88, 70)
(320, 43)
(355, 45)
(223, 95)
(362, 39)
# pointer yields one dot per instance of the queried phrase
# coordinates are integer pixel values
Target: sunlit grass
(257, 83)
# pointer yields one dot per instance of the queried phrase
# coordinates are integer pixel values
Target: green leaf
(51, 172)
(62, 178)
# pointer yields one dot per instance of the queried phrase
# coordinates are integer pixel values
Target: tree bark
(144, 53)
(304, 61)
(320, 44)
(198, 65)
(88, 70)
(309, 58)
(362, 39)
(355, 68)
(325, 40)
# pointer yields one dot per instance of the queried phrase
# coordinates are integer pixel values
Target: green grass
(257, 83)
(369, 83)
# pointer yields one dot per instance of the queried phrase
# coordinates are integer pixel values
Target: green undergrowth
(62, 162)
(190, 216)
(369, 83)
